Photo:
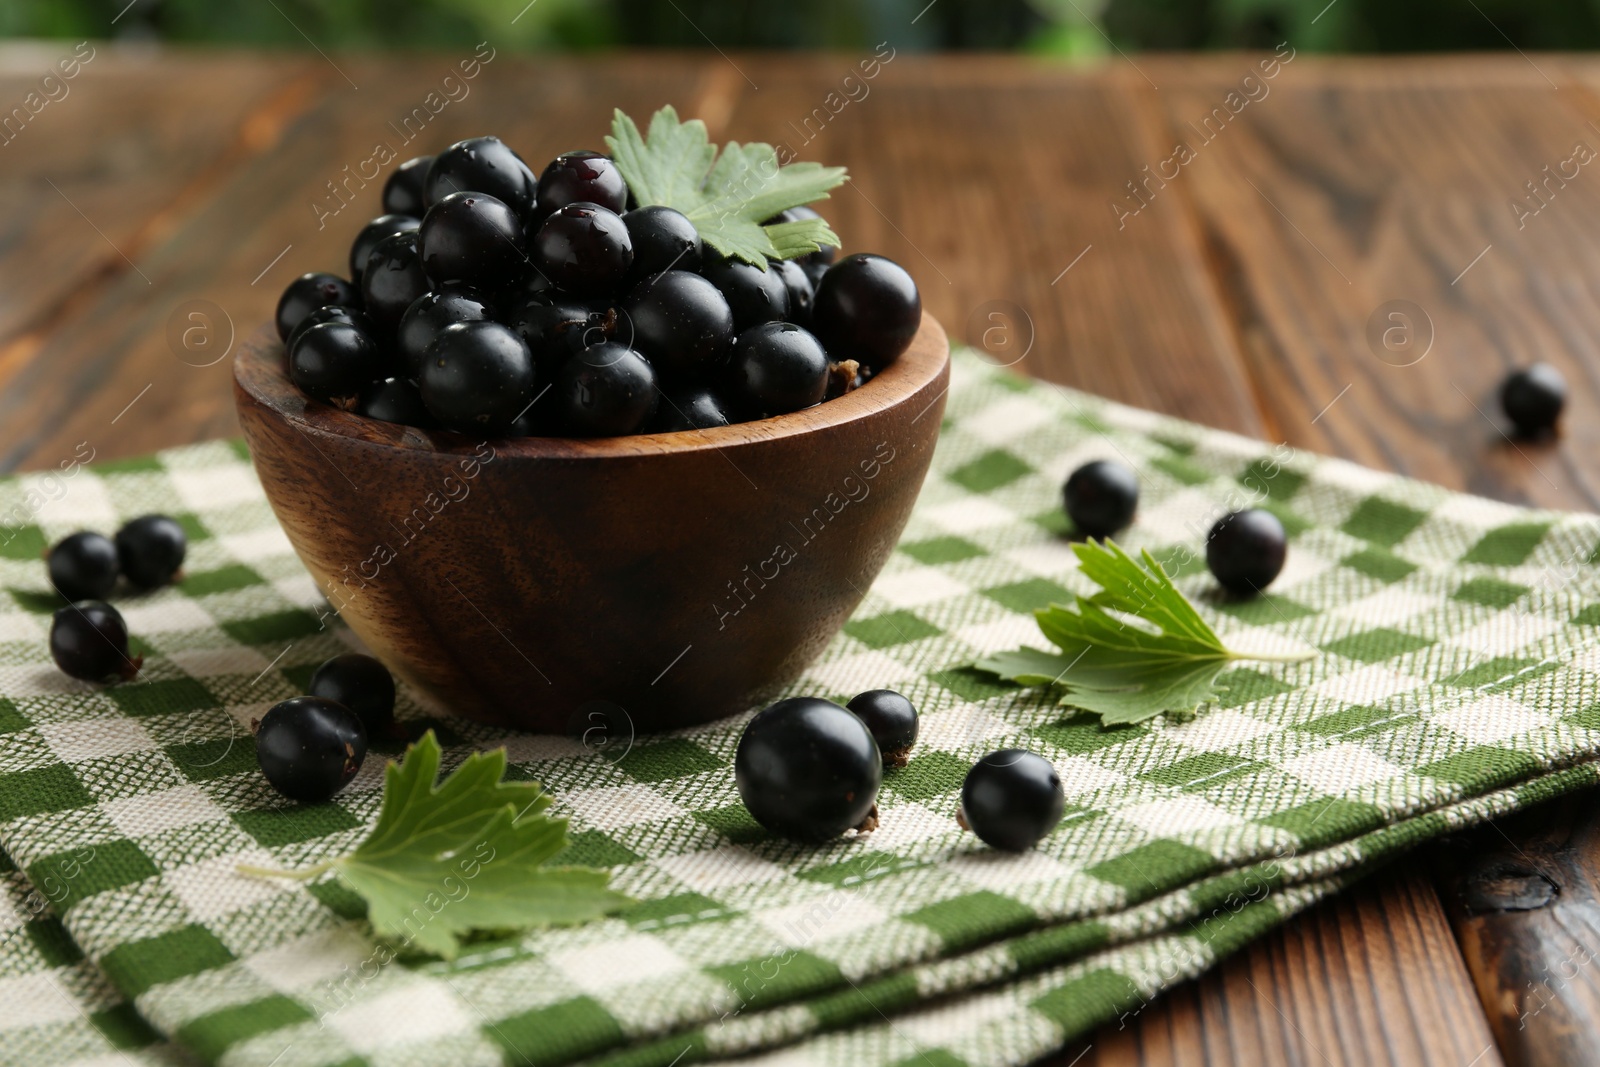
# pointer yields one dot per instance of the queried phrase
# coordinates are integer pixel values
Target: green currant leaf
(1131, 651)
(726, 196)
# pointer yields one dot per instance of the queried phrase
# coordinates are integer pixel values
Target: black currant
(1533, 397)
(809, 770)
(403, 193)
(89, 640)
(395, 400)
(692, 407)
(799, 288)
(332, 313)
(867, 308)
(1246, 550)
(310, 747)
(477, 377)
(311, 291)
(1101, 497)
(584, 248)
(681, 323)
(816, 262)
(581, 178)
(893, 722)
(83, 566)
(555, 327)
(432, 312)
(754, 295)
(361, 684)
(333, 361)
(482, 165)
(777, 367)
(471, 238)
(373, 232)
(150, 549)
(663, 239)
(393, 280)
(607, 390)
(1011, 799)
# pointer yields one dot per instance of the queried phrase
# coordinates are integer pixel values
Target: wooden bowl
(682, 576)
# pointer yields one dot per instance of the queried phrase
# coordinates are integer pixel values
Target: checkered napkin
(1459, 676)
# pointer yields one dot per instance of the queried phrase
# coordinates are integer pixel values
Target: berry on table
(150, 549)
(1246, 550)
(432, 312)
(311, 291)
(777, 367)
(333, 361)
(1101, 497)
(606, 390)
(893, 722)
(395, 400)
(1011, 799)
(361, 684)
(680, 322)
(83, 566)
(694, 407)
(581, 178)
(89, 641)
(403, 193)
(471, 238)
(663, 239)
(867, 308)
(477, 377)
(393, 280)
(482, 165)
(1533, 398)
(309, 747)
(809, 770)
(373, 232)
(584, 248)
(754, 295)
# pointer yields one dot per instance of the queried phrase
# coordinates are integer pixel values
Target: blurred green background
(1057, 27)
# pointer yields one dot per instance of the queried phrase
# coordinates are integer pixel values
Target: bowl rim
(259, 373)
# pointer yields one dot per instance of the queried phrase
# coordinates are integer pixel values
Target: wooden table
(1241, 294)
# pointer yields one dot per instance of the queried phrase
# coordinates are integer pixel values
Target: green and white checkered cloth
(1459, 677)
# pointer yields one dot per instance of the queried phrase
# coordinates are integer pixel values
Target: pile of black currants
(489, 301)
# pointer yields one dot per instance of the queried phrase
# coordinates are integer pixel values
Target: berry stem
(304, 874)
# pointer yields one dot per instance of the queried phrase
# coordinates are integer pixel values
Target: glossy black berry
(800, 291)
(394, 400)
(681, 323)
(373, 232)
(607, 390)
(893, 722)
(482, 165)
(150, 549)
(809, 770)
(867, 308)
(89, 640)
(1246, 550)
(361, 684)
(581, 178)
(393, 280)
(333, 361)
(403, 193)
(477, 377)
(693, 407)
(1101, 497)
(663, 239)
(83, 566)
(556, 327)
(816, 262)
(1011, 799)
(754, 295)
(432, 312)
(1533, 397)
(777, 367)
(332, 313)
(584, 248)
(307, 293)
(310, 747)
(471, 238)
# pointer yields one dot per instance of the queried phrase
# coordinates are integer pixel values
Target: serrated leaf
(727, 196)
(1133, 650)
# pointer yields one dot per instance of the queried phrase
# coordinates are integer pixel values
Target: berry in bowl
(629, 433)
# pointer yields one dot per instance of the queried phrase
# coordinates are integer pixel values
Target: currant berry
(823, 257)
(754, 295)
(432, 312)
(361, 684)
(373, 232)
(556, 327)
(809, 770)
(1533, 398)
(800, 291)
(150, 549)
(584, 248)
(393, 280)
(471, 238)
(403, 193)
(663, 239)
(607, 390)
(310, 747)
(482, 165)
(867, 308)
(1101, 497)
(307, 293)
(681, 323)
(333, 361)
(581, 178)
(1011, 799)
(693, 407)
(83, 566)
(777, 367)
(89, 641)
(477, 377)
(394, 400)
(1246, 550)
(332, 313)
(893, 722)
